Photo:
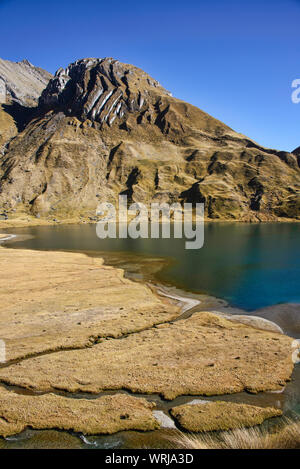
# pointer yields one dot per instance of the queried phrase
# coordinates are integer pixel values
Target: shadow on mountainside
(22, 115)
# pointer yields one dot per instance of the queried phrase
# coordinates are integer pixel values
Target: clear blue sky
(234, 59)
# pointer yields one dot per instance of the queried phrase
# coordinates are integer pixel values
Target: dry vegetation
(122, 337)
(202, 355)
(105, 415)
(143, 143)
(287, 436)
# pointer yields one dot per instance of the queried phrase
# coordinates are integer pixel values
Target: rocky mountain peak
(104, 128)
(21, 82)
(101, 90)
(26, 62)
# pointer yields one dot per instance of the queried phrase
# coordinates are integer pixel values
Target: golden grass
(104, 415)
(58, 300)
(219, 415)
(287, 436)
(202, 355)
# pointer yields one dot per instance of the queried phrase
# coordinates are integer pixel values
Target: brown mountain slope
(105, 128)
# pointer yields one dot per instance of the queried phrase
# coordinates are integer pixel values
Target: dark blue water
(249, 265)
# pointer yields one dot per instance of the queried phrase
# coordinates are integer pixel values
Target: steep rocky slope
(21, 82)
(105, 128)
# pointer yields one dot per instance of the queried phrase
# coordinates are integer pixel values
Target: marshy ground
(74, 325)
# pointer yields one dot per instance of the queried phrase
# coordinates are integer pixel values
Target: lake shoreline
(185, 298)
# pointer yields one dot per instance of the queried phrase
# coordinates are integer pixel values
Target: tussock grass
(287, 436)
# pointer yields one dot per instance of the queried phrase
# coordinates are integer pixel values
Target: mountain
(104, 128)
(21, 85)
(21, 82)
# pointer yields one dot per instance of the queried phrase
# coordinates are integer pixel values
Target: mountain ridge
(102, 128)
(22, 82)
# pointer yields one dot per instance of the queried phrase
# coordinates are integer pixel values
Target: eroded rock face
(100, 90)
(104, 128)
(213, 416)
(21, 82)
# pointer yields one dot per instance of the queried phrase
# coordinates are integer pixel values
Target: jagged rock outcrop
(21, 82)
(103, 128)
(99, 89)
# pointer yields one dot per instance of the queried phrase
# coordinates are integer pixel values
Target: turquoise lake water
(250, 266)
